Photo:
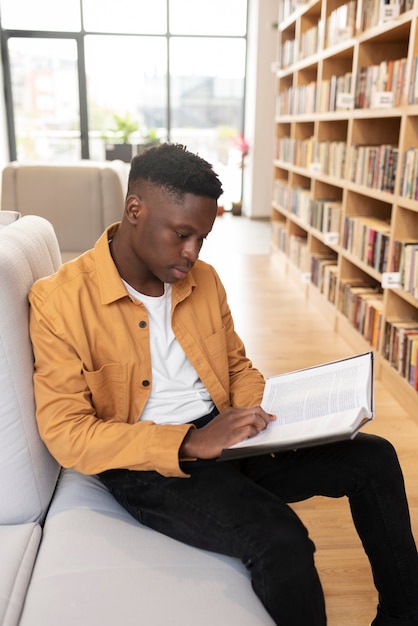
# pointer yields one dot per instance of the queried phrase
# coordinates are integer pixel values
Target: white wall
(260, 107)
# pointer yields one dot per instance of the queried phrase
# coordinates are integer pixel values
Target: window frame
(79, 38)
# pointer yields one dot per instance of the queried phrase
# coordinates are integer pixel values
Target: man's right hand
(229, 427)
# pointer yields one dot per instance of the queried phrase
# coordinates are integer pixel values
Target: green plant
(152, 136)
(125, 126)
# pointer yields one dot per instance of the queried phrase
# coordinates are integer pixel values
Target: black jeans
(239, 508)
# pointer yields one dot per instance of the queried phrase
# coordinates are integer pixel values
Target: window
(45, 98)
(41, 15)
(77, 71)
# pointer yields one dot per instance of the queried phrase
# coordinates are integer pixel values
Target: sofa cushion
(28, 251)
(80, 199)
(18, 548)
(97, 565)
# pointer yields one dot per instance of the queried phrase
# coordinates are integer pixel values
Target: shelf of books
(345, 197)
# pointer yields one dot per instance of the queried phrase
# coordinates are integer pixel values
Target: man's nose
(191, 250)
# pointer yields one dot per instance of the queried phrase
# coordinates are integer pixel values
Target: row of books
(372, 11)
(285, 102)
(375, 12)
(332, 91)
(319, 277)
(288, 53)
(400, 348)
(309, 41)
(367, 238)
(377, 86)
(287, 7)
(279, 235)
(305, 98)
(409, 174)
(295, 247)
(330, 283)
(362, 304)
(300, 203)
(323, 214)
(298, 252)
(374, 166)
(405, 261)
(281, 193)
(413, 85)
(341, 23)
(381, 85)
(325, 157)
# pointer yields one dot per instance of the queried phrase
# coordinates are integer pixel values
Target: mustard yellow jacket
(93, 366)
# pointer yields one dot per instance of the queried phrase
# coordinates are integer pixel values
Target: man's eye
(181, 235)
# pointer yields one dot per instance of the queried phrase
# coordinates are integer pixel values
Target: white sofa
(80, 198)
(69, 554)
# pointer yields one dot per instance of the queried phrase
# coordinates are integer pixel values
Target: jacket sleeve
(67, 420)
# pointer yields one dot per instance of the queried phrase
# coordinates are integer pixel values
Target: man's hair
(173, 167)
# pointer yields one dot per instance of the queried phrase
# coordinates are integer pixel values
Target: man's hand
(230, 426)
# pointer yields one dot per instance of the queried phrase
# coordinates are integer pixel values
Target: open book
(317, 405)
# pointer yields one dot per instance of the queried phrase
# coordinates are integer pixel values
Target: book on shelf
(319, 261)
(325, 215)
(412, 356)
(367, 238)
(316, 405)
(330, 282)
(353, 297)
(399, 336)
(413, 87)
(371, 318)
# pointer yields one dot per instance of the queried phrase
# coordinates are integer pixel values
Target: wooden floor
(283, 331)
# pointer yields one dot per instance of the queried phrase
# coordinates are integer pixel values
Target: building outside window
(80, 72)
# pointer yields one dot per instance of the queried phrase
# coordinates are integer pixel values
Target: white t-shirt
(178, 395)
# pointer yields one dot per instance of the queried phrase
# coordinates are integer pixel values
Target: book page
(319, 391)
(333, 427)
(327, 402)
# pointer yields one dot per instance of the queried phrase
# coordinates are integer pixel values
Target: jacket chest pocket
(108, 387)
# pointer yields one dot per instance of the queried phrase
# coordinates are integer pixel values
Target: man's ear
(133, 206)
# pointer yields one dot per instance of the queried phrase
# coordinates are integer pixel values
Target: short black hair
(172, 166)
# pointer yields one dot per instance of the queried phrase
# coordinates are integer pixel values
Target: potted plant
(118, 145)
(242, 144)
(150, 138)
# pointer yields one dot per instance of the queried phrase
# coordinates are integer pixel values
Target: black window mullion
(168, 79)
(82, 90)
(11, 135)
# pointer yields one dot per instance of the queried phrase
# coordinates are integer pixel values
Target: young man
(141, 379)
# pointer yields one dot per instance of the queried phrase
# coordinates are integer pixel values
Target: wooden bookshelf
(345, 196)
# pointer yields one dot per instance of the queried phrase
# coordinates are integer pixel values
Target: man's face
(169, 231)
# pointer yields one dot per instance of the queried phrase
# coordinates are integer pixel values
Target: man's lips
(181, 272)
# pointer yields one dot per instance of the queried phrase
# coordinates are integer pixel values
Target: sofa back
(28, 474)
(80, 199)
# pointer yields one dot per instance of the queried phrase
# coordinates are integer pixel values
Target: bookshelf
(345, 189)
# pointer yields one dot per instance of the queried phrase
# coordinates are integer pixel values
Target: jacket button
(145, 383)
(142, 324)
